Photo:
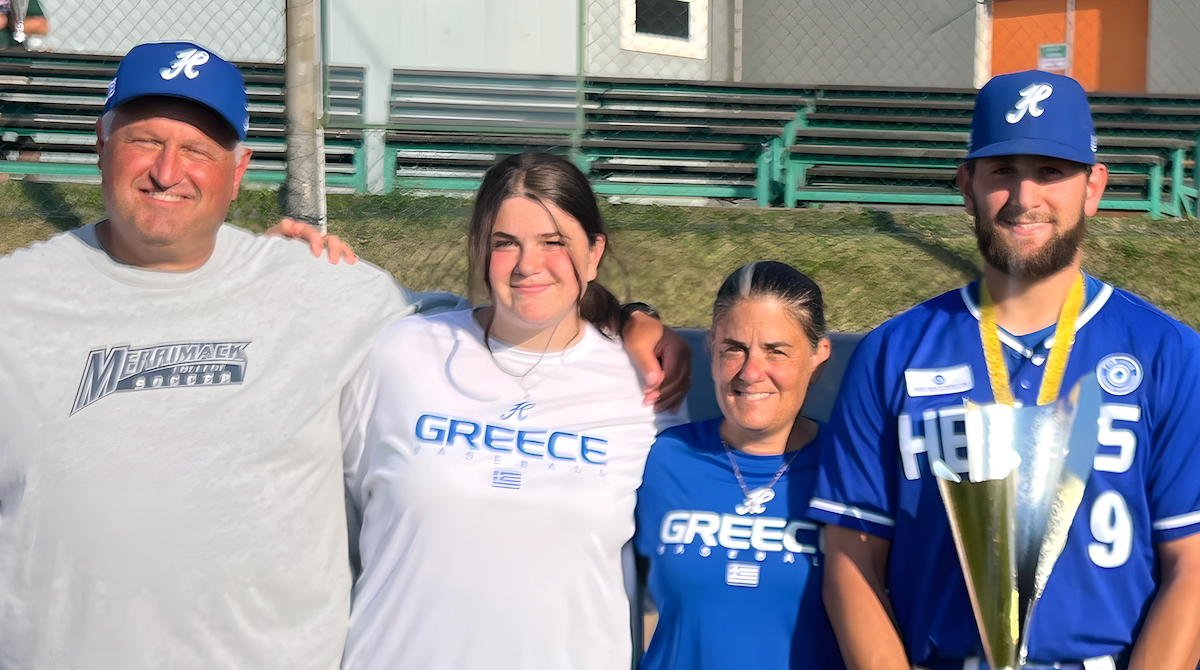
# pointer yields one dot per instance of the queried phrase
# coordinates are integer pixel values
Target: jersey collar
(1085, 315)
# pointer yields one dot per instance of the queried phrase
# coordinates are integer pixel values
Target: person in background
(494, 455)
(34, 23)
(735, 570)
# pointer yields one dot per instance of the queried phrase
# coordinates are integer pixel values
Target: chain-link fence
(239, 30)
(1131, 46)
(783, 102)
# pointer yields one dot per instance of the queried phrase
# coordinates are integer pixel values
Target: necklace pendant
(755, 501)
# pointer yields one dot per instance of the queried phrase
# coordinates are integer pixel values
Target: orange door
(1108, 46)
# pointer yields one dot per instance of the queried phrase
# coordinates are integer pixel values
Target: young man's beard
(1057, 253)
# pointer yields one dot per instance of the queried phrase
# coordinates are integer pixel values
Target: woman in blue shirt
(735, 569)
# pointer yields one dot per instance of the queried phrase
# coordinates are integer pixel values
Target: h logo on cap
(1031, 97)
(186, 61)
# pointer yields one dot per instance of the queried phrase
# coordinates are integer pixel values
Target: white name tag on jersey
(939, 381)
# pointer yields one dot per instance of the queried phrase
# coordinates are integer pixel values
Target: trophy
(1027, 468)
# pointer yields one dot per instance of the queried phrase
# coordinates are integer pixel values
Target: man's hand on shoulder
(317, 241)
(661, 356)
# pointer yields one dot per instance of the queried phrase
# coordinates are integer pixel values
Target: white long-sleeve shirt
(494, 504)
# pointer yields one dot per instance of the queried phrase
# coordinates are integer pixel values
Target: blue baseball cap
(1032, 112)
(182, 70)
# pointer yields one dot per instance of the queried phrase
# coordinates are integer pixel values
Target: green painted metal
(802, 195)
(1155, 191)
(65, 169)
(360, 168)
(762, 178)
(271, 176)
(694, 190)
(389, 167)
(354, 180)
(583, 162)
(1179, 202)
(437, 183)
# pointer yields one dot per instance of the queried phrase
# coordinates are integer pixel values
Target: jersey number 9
(1113, 529)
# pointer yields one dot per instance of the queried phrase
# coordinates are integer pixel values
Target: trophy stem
(989, 558)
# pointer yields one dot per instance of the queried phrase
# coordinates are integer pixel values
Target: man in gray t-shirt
(170, 470)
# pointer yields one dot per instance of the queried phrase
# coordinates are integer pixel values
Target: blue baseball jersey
(732, 590)
(901, 406)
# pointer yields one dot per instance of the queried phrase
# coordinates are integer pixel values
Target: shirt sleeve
(358, 398)
(650, 499)
(671, 417)
(855, 469)
(432, 302)
(1174, 467)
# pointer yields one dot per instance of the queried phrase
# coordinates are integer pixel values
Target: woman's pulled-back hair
(546, 179)
(773, 280)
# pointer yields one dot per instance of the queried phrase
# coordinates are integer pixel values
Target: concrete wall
(1173, 64)
(514, 36)
(860, 42)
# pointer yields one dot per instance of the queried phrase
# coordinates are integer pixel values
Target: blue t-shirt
(732, 590)
(901, 405)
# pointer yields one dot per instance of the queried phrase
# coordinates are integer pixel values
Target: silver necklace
(521, 377)
(755, 501)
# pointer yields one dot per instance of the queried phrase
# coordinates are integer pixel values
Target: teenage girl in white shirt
(494, 455)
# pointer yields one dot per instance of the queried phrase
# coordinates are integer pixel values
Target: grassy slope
(871, 264)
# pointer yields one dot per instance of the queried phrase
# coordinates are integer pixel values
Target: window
(665, 27)
(668, 18)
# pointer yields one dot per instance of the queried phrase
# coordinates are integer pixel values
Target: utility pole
(305, 183)
(983, 42)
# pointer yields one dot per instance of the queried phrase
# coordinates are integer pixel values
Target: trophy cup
(1027, 468)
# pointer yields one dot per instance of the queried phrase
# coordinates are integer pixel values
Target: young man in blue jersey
(1126, 590)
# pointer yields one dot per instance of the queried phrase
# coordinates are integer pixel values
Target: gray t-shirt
(171, 487)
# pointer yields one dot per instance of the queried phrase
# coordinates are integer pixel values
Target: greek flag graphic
(741, 574)
(507, 479)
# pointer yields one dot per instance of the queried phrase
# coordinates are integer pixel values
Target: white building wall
(511, 36)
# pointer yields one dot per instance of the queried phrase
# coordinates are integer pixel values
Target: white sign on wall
(1053, 57)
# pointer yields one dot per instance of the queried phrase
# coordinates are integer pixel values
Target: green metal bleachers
(49, 105)
(708, 140)
(633, 138)
(445, 129)
(1148, 143)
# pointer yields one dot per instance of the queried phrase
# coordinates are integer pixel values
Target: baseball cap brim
(1034, 147)
(237, 132)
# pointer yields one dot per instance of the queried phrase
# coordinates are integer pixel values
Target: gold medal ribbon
(1056, 364)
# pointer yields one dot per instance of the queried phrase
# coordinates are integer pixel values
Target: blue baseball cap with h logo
(1032, 112)
(182, 70)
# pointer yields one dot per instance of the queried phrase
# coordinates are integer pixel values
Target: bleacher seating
(1147, 142)
(49, 105)
(634, 138)
(447, 128)
(917, 166)
(667, 139)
